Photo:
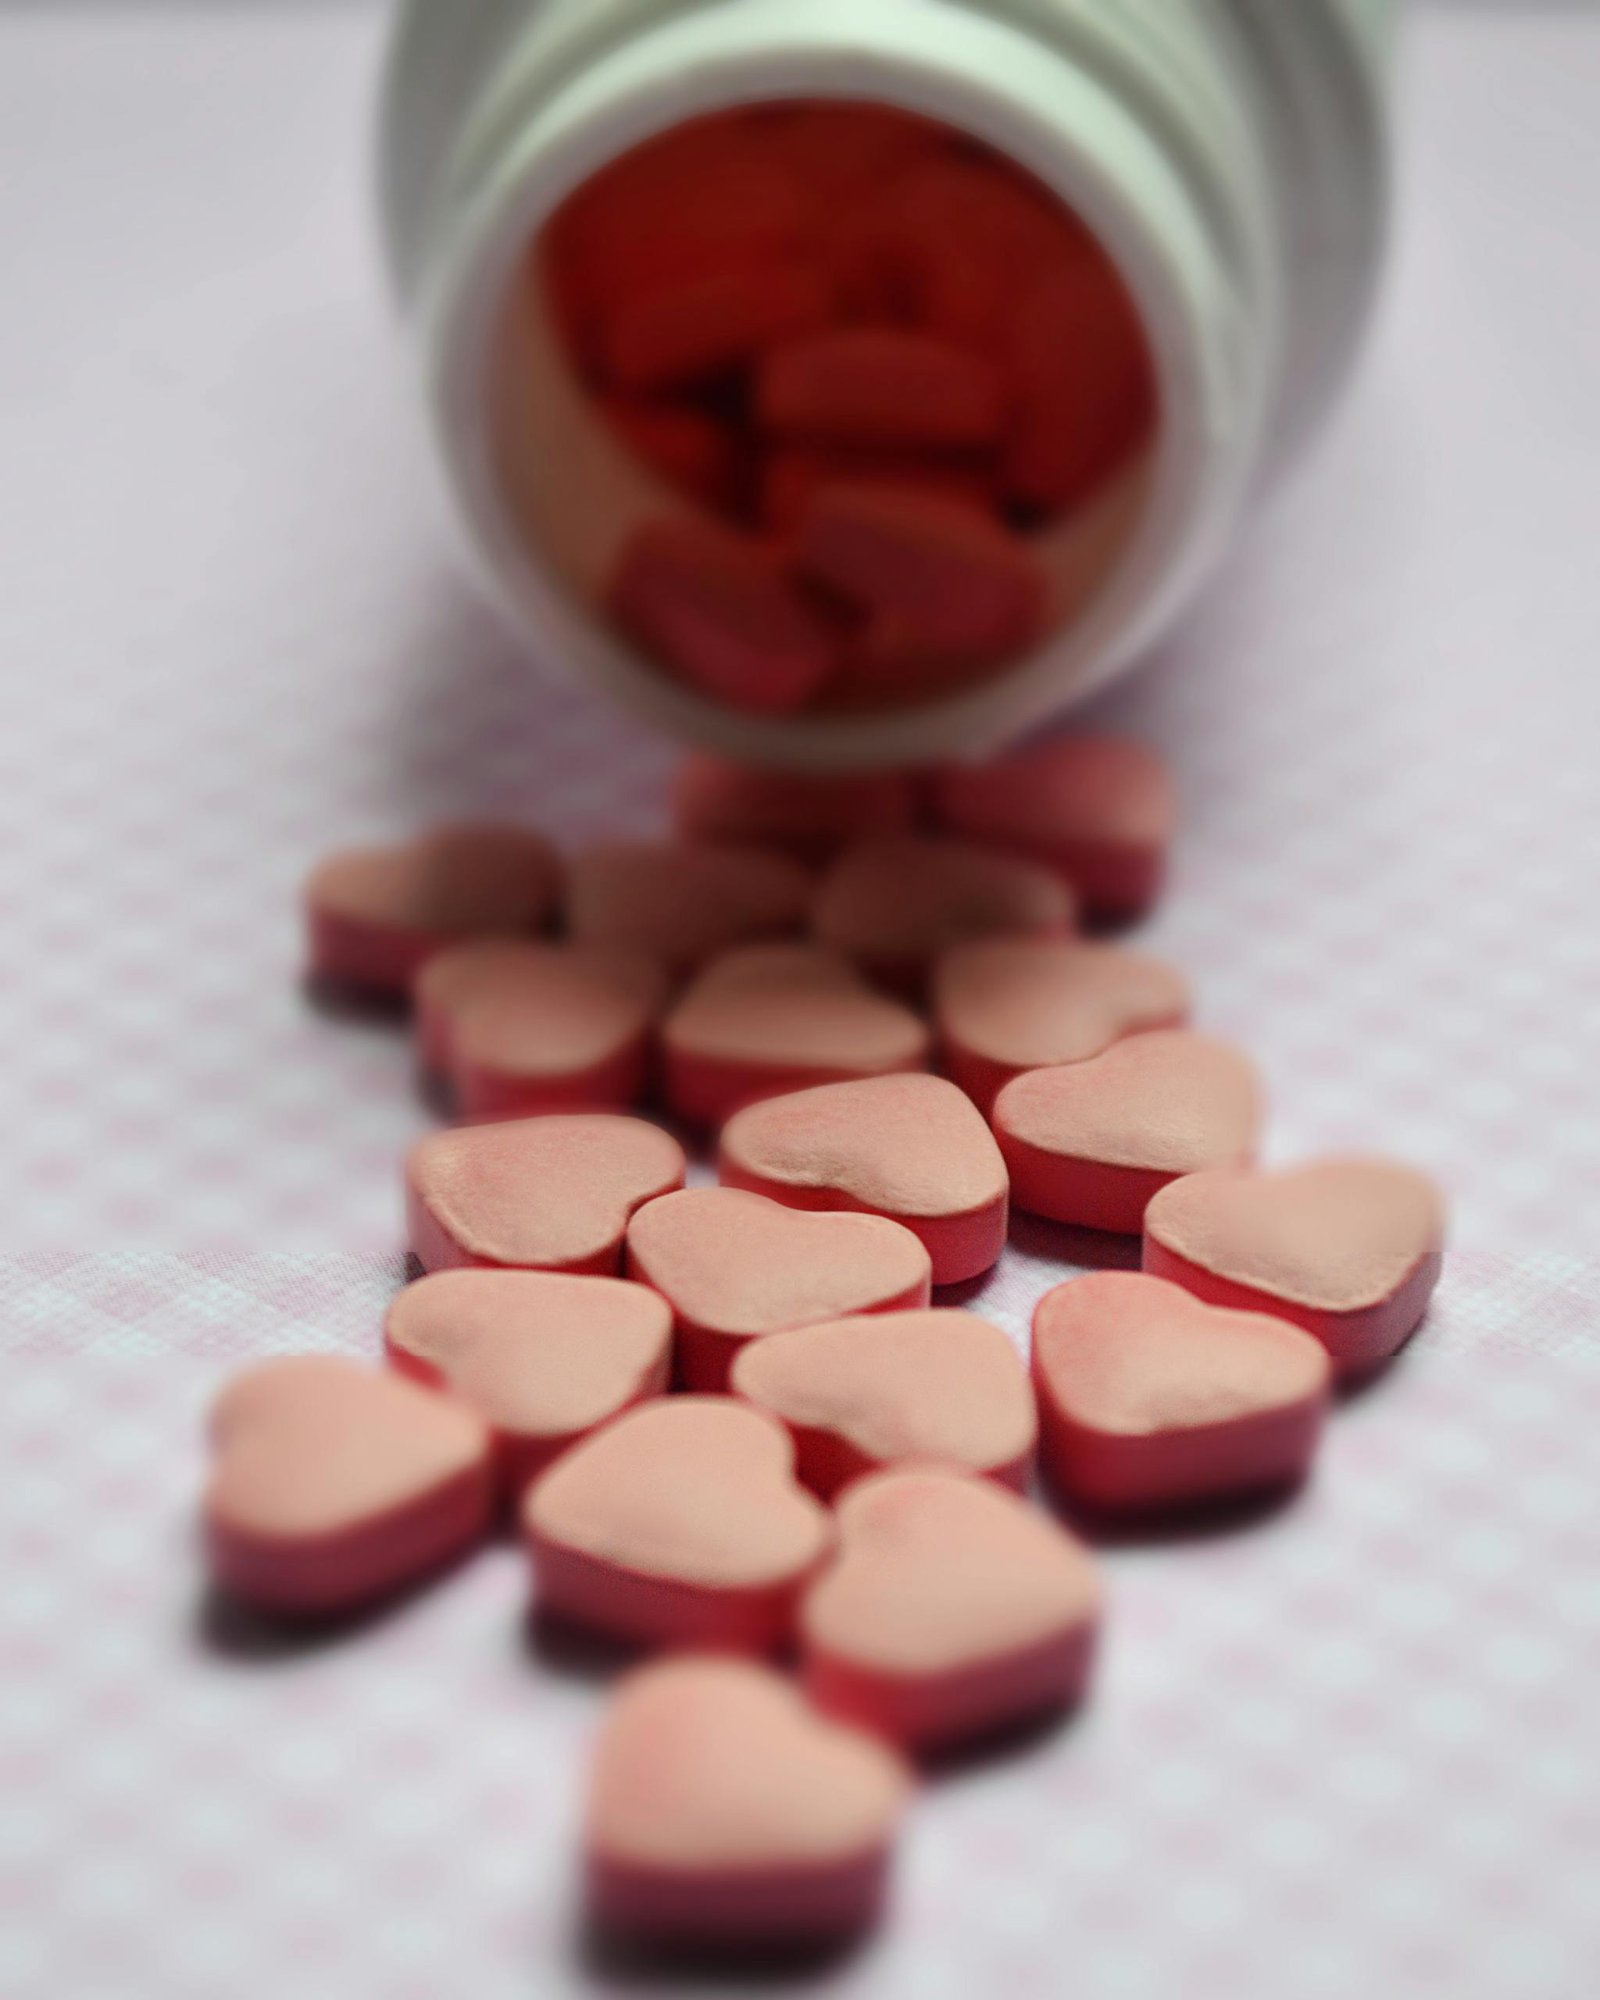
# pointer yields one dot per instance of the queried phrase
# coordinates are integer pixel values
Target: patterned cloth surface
(1347, 1747)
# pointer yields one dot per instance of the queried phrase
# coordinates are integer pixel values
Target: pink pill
(735, 1267)
(718, 610)
(566, 1027)
(955, 582)
(376, 915)
(858, 1395)
(952, 1610)
(1149, 1399)
(807, 818)
(912, 1148)
(1348, 1249)
(772, 1018)
(543, 1358)
(679, 1524)
(1091, 1143)
(878, 386)
(894, 905)
(333, 1485)
(1005, 1005)
(681, 903)
(699, 326)
(725, 1811)
(1100, 809)
(453, 978)
(545, 1194)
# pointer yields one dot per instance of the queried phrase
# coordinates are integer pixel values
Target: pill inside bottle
(822, 409)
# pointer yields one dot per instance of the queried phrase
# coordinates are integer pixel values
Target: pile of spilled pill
(742, 1427)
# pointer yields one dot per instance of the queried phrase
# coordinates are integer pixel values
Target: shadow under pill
(965, 1292)
(1065, 1243)
(558, 1645)
(229, 1629)
(623, 1961)
(1194, 1521)
(345, 1001)
(1008, 1743)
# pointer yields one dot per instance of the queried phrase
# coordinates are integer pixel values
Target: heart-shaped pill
(880, 1389)
(566, 1027)
(807, 818)
(772, 1018)
(952, 1609)
(334, 1485)
(544, 1358)
(913, 1148)
(894, 904)
(680, 1524)
(451, 980)
(1100, 809)
(1005, 1005)
(376, 915)
(735, 1267)
(961, 585)
(718, 609)
(724, 1810)
(682, 903)
(1150, 1399)
(541, 1194)
(1349, 1249)
(1090, 1143)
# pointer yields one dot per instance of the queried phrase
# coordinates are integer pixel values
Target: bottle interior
(824, 408)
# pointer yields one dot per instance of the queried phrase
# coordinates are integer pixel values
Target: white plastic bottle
(1230, 155)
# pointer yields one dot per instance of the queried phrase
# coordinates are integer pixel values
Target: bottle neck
(1131, 130)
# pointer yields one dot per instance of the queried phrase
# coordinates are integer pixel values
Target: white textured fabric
(1346, 1750)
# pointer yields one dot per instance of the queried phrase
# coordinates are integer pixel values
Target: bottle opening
(825, 409)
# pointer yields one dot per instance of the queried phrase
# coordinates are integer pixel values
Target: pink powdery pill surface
(718, 609)
(544, 1358)
(1005, 1005)
(859, 1394)
(452, 979)
(545, 1194)
(772, 1018)
(334, 1485)
(807, 818)
(894, 904)
(1349, 1249)
(1101, 809)
(735, 1267)
(1090, 1143)
(959, 585)
(566, 1027)
(724, 1810)
(376, 915)
(680, 1524)
(1150, 1399)
(682, 902)
(913, 1148)
(953, 1609)
(878, 386)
